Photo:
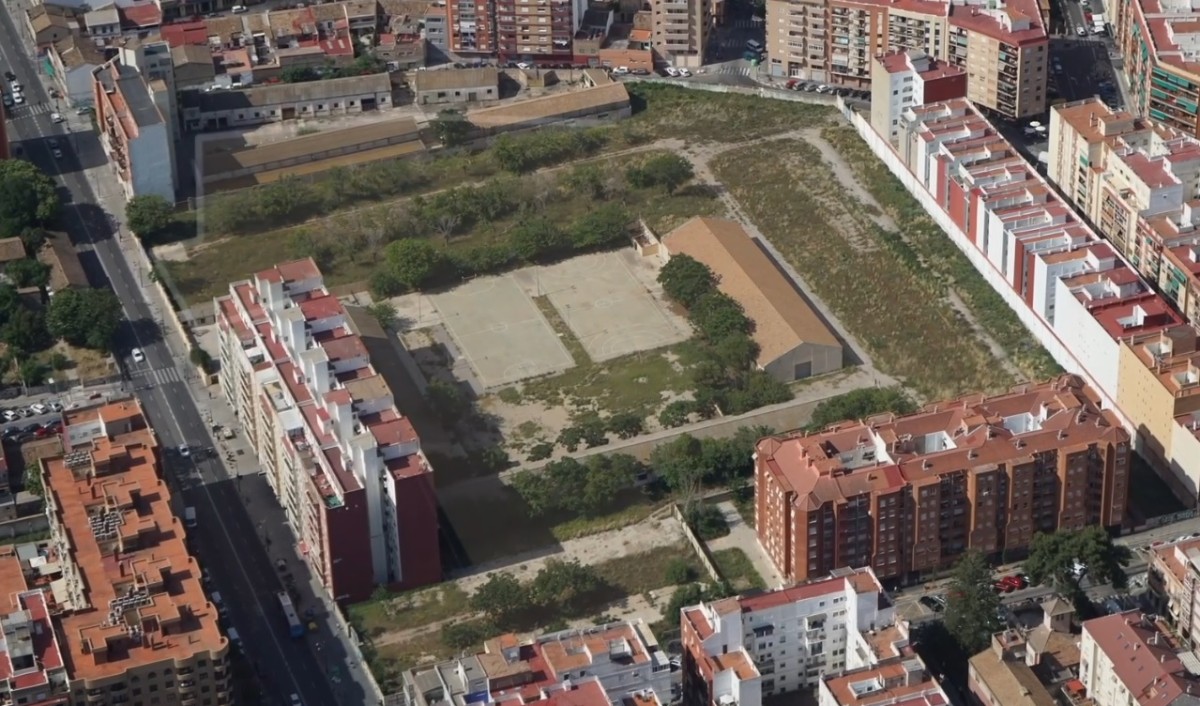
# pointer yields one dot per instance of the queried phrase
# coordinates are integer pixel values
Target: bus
(295, 627)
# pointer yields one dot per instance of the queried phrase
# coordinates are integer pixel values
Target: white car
(621, 70)
(520, 65)
(19, 98)
(185, 450)
(38, 408)
(56, 117)
(10, 415)
(296, 700)
(138, 355)
(685, 73)
(1081, 31)
(672, 71)
(16, 86)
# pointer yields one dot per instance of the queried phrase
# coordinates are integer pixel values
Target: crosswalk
(29, 109)
(746, 24)
(734, 69)
(158, 376)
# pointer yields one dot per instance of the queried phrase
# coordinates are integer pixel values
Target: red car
(1017, 581)
(1003, 586)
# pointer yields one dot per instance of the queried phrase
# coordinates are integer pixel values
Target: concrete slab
(500, 331)
(605, 305)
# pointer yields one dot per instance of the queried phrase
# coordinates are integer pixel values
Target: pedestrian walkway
(28, 110)
(742, 536)
(158, 376)
(735, 69)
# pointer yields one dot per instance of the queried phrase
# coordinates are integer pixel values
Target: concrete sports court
(606, 306)
(501, 332)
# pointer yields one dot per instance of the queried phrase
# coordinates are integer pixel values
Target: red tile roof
(1143, 656)
(145, 14)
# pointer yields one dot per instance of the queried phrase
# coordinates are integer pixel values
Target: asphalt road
(241, 569)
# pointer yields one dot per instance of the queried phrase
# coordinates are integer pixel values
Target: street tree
(1052, 558)
(28, 197)
(971, 604)
(678, 464)
(502, 598)
(148, 214)
(85, 317)
(686, 279)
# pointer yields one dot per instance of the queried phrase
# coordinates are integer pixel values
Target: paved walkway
(742, 536)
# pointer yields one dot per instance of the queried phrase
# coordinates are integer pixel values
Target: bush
(676, 414)
(540, 452)
(679, 571)
(860, 404)
(525, 153)
(466, 634)
(669, 171)
(707, 521)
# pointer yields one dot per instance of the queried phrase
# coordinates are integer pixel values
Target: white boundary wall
(1036, 325)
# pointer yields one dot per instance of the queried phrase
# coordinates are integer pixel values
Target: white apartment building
(343, 460)
(902, 79)
(1127, 659)
(748, 648)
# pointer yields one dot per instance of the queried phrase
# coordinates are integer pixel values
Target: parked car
(684, 72)
(672, 71)
(31, 428)
(38, 408)
(58, 154)
(10, 76)
(18, 98)
(137, 355)
(8, 101)
(931, 603)
(10, 415)
(55, 405)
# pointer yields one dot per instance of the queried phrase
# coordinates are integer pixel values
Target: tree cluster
(561, 588)
(416, 263)
(451, 127)
(860, 404)
(585, 487)
(592, 430)
(726, 378)
(521, 155)
(687, 464)
(87, 318)
(1052, 558)
(28, 197)
(707, 521)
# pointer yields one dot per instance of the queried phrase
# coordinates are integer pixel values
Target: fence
(780, 94)
(701, 551)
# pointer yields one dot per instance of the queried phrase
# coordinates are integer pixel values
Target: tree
(28, 272)
(564, 586)
(679, 571)
(625, 425)
(971, 603)
(28, 197)
(384, 313)
(148, 215)
(33, 371)
(536, 238)
(33, 238)
(860, 404)
(707, 521)
(501, 598)
(413, 263)
(1052, 558)
(466, 634)
(26, 332)
(676, 414)
(604, 224)
(85, 317)
(447, 401)
(451, 128)
(686, 280)
(669, 171)
(299, 74)
(678, 464)
(717, 315)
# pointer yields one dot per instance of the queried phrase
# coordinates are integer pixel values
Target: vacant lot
(348, 244)
(854, 264)
(940, 257)
(735, 566)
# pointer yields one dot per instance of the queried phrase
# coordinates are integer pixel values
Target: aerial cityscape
(582, 353)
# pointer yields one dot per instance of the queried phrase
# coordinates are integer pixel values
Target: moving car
(18, 98)
(931, 603)
(137, 355)
(184, 450)
(56, 117)
(9, 75)
(1081, 31)
(57, 153)
(296, 700)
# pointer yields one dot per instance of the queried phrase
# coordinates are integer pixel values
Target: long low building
(793, 342)
(604, 102)
(230, 163)
(222, 109)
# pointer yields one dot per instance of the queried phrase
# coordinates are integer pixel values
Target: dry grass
(900, 316)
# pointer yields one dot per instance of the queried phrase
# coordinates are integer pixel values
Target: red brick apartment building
(299, 368)
(907, 495)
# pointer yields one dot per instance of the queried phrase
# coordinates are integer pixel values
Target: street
(225, 538)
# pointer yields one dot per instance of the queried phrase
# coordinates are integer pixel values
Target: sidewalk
(742, 536)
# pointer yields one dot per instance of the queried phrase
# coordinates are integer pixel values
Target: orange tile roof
(145, 601)
(1144, 657)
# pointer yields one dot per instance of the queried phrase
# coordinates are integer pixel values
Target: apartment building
(537, 29)
(136, 624)
(1138, 182)
(1160, 389)
(903, 78)
(1131, 659)
(1001, 46)
(1173, 578)
(1021, 666)
(136, 138)
(899, 681)
(33, 670)
(343, 460)
(909, 495)
(746, 648)
(623, 658)
(680, 29)
(73, 61)
(1158, 40)
(472, 26)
